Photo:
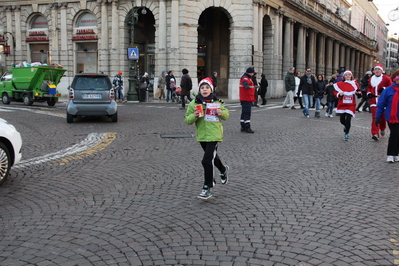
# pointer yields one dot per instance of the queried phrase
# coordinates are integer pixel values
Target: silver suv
(91, 95)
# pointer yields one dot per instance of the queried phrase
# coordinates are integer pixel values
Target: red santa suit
(346, 102)
(375, 87)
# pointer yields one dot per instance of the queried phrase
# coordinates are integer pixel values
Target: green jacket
(206, 131)
(289, 81)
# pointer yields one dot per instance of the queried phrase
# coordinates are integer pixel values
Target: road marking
(94, 142)
(9, 109)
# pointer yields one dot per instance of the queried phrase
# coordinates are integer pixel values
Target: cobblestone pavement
(100, 193)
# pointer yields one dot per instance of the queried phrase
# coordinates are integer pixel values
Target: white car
(10, 148)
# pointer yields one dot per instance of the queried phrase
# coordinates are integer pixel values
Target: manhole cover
(177, 135)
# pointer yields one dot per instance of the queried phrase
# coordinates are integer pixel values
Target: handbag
(143, 85)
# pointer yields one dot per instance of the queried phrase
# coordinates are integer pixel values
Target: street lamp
(133, 18)
(132, 94)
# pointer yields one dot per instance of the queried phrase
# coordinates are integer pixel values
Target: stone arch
(214, 36)
(267, 37)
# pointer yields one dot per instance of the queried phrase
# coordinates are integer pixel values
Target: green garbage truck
(31, 84)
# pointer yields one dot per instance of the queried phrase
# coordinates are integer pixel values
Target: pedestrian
(161, 86)
(388, 105)
(169, 91)
(319, 95)
(330, 98)
(255, 81)
(289, 82)
(263, 89)
(143, 87)
(247, 97)
(363, 87)
(297, 93)
(186, 85)
(118, 84)
(307, 87)
(209, 132)
(377, 83)
(214, 78)
(345, 91)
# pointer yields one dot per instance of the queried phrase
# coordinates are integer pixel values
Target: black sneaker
(223, 177)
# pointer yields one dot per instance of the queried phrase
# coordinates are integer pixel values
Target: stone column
(347, 58)
(321, 44)
(342, 56)
(352, 60)
(329, 57)
(277, 49)
(115, 46)
(300, 57)
(356, 67)
(53, 45)
(174, 55)
(66, 55)
(336, 55)
(103, 51)
(18, 35)
(288, 59)
(311, 51)
(161, 57)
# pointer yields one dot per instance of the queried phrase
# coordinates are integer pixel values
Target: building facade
(392, 59)
(203, 36)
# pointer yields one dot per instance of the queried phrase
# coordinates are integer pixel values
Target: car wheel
(28, 100)
(5, 99)
(69, 118)
(5, 163)
(51, 102)
(114, 117)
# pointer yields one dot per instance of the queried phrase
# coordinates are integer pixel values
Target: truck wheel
(5, 163)
(27, 100)
(5, 98)
(114, 117)
(69, 118)
(51, 102)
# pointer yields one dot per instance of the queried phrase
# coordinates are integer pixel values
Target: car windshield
(91, 83)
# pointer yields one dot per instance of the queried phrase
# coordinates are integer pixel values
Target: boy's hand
(219, 112)
(196, 113)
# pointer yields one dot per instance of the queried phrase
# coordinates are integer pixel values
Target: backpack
(189, 84)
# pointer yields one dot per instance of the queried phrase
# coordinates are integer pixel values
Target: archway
(214, 47)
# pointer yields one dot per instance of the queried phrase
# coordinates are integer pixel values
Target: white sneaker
(331, 116)
(396, 158)
(390, 159)
(326, 114)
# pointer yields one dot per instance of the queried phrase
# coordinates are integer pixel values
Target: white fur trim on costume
(375, 81)
(345, 111)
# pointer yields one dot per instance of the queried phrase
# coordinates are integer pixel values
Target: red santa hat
(206, 81)
(348, 71)
(379, 66)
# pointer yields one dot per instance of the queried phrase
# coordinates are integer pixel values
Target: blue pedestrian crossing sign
(133, 53)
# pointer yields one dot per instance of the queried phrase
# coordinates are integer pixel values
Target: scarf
(309, 80)
(206, 99)
(393, 117)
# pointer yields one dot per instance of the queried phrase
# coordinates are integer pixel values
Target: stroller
(177, 95)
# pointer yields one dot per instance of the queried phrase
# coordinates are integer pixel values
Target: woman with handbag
(143, 87)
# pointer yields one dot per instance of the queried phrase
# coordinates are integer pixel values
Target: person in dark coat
(186, 85)
(263, 89)
(308, 88)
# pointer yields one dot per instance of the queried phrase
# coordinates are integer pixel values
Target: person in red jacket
(247, 97)
(377, 83)
(346, 91)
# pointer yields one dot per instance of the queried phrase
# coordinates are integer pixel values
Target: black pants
(393, 142)
(299, 101)
(210, 160)
(142, 95)
(245, 114)
(345, 120)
